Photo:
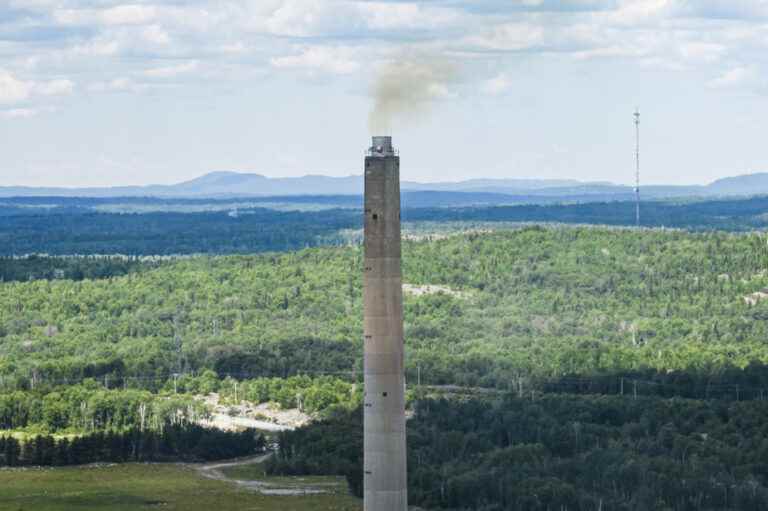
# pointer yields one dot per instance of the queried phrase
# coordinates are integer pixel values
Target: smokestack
(384, 465)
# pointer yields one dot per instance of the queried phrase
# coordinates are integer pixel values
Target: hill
(518, 321)
(237, 184)
(535, 301)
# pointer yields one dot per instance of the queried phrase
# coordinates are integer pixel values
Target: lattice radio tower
(637, 167)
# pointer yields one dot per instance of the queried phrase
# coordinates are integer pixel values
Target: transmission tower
(637, 167)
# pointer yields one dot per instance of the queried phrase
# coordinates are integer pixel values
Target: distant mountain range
(236, 184)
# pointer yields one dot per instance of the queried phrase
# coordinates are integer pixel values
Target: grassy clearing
(133, 487)
(255, 472)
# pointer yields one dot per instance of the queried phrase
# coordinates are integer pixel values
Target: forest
(147, 226)
(515, 307)
(91, 406)
(576, 453)
(179, 442)
(601, 367)
(37, 267)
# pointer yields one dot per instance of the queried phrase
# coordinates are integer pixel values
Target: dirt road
(215, 471)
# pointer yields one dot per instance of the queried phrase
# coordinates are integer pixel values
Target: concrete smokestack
(384, 464)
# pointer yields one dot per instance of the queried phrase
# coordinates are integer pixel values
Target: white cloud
(122, 84)
(129, 15)
(639, 11)
(409, 16)
(170, 71)
(54, 88)
(334, 60)
(97, 47)
(342, 18)
(497, 85)
(18, 113)
(508, 37)
(613, 51)
(302, 18)
(728, 9)
(119, 15)
(234, 48)
(736, 77)
(705, 51)
(24, 113)
(122, 37)
(15, 90)
(156, 35)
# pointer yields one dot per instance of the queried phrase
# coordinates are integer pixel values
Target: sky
(112, 92)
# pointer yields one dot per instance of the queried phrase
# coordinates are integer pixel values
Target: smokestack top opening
(382, 146)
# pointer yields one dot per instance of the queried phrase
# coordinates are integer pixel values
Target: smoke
(405, 89)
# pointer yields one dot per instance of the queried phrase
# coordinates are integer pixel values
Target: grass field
(133, 487)
(336, 485)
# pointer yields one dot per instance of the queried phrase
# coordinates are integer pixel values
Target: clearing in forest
(133, 487)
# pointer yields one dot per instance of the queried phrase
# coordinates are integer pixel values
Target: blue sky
(107, 92)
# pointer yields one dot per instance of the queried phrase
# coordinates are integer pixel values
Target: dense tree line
(557, 452)
(78, 226)
(313, 395)
(160, 233)
(36, 267)
(41, 204)
(723, 214)
(90, 407)
(729, 383)
(187, 442)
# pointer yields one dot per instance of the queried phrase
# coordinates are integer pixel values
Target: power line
(567, 385)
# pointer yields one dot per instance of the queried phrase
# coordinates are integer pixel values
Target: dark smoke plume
(405, 89)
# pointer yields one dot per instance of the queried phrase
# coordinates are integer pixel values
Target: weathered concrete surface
(385, 484)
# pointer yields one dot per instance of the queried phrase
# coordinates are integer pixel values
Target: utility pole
(637, 168)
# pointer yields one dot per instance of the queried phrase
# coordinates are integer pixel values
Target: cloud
(129, 15)
(640, 11)
(156, 35)
(14, 90)
(737, 77)
(345, 18)
(121, 84)
(508, 37)
(406, 16)
(700, 50)
(299, 18)
(24, 113)
(119, 15)
(170, 71)
(234, 48)
(342, 38)
(18, 113)
(97, 47)
(336, 60)
(497, 85)
(54, 87)
(728, 9)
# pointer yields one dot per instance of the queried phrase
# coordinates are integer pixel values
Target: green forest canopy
(535, 302)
